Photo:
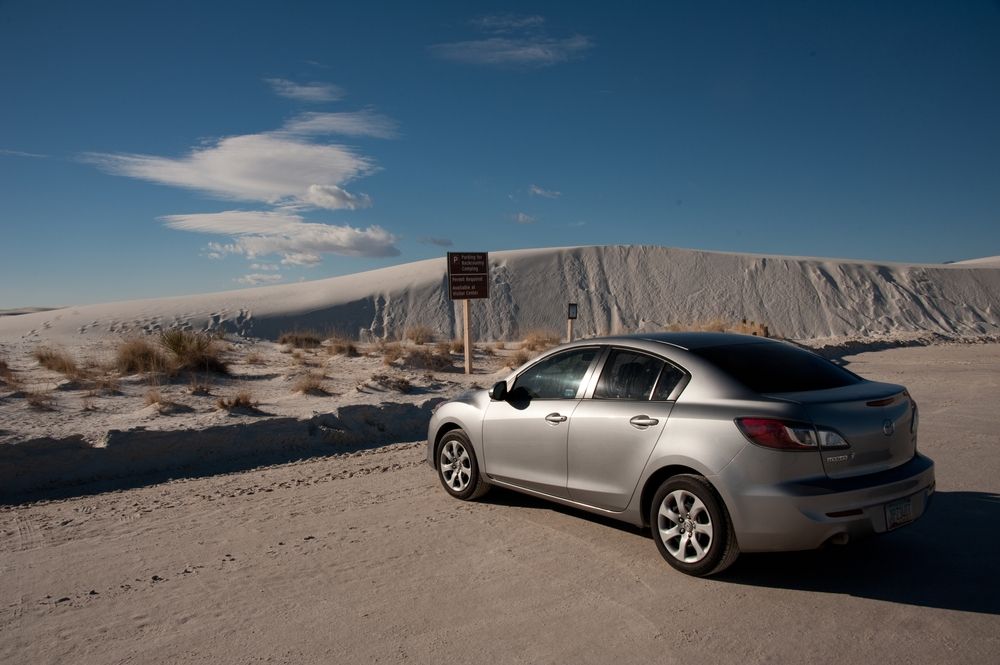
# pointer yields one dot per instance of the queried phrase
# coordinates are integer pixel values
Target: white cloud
(502, 51)
(21, 153)
(298, 242)
(264, 266)
(334, 198)
(256, 279)
(271, 168)
(305, 92)
(500, 23)
(535, 190)
(524, 218)
(351, 123)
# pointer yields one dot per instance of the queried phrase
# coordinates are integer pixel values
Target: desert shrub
(457, 346)
(540, 340)
(419, 334)
(103, 384)
(310, 384)
(138, 355)
(391, 352)
(241, 400)
(423, 358)
(193, 351)
(398, 383)
(341, 346)
(57, 361)
(39, 401)
(301, 339)
(255, 358)
(7, 374)
(199, 386)
(520, 357)
(153, 396)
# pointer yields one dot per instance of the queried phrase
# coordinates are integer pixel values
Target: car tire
(458, 468)
(691, 526)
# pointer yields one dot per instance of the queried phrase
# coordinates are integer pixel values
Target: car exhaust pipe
(839, 539)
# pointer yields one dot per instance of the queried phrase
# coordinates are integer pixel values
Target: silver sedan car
(718, 443)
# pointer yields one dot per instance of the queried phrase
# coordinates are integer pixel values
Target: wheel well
(653, 483)
(447, 427)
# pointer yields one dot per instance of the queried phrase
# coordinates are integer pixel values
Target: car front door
(525, 435)
(613, 432)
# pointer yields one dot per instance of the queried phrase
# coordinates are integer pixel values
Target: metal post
(467, 334)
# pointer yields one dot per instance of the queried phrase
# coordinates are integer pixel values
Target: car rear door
(612, 433)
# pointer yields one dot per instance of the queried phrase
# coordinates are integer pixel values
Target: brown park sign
(468, 275)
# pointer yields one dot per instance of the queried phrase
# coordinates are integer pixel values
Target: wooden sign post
(468, 278)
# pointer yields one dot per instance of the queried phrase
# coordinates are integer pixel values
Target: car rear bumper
(804, 515)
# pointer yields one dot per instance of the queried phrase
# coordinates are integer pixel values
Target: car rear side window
(557, 377)
(637, 376)
(772, 367)
(628, 375)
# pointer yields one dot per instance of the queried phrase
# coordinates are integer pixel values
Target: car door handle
(555, 418)
(643, 421)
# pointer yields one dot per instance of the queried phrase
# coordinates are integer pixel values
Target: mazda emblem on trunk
(888, 428)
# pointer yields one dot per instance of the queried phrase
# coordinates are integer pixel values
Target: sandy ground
(363, 558)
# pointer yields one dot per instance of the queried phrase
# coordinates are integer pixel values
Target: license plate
(898, 513)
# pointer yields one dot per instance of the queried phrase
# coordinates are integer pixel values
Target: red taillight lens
(779, 434)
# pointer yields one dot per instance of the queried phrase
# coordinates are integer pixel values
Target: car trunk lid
(874, 418)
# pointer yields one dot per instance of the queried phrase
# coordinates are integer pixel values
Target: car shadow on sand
(948, 559)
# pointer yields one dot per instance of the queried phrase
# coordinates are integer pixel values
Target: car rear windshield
(777, 368)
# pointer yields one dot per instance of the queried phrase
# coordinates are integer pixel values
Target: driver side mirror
(498, 392)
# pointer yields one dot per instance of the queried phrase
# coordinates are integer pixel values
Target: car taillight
(789, 435)
(780, 434)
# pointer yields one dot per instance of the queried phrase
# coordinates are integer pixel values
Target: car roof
(689, 340)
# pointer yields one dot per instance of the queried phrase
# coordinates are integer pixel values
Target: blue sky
(152, 149)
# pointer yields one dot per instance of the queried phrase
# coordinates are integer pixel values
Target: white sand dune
(619, 288)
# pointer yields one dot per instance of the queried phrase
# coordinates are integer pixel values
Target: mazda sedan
(718, 443)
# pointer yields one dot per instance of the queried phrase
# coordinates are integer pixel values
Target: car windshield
(777, 368)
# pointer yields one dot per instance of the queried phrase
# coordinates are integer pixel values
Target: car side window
(557, 377)
(670, 376)
(628, 375)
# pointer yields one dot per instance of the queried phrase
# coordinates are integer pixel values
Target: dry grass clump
(153, 396)
(423, 358)
(520, 357)
(301, 339)
(341, 346)
(7, 375)
(419, 334)
(311, 384)
(40, 401)
(138, 355)
(540, 340)
(58, 361)
(398, 383)
(255, 358)
(103, 384)
(457, 346)
(194, 351)
(242, 400)
(199, 387)
(391, 352)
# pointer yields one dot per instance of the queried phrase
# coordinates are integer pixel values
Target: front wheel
(458, 469)
(691, 526)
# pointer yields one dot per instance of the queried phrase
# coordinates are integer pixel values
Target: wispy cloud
(535, 190)
(352, 123)
(500, 23)
(21, 153)
(523, 218)
(305, 92)
(254, 167)
(256, 279)
(257, 233)
(264, 266)
(440, 242)
(513, 41)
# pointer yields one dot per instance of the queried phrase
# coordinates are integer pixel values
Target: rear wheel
(691, 526)
(458, 468)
